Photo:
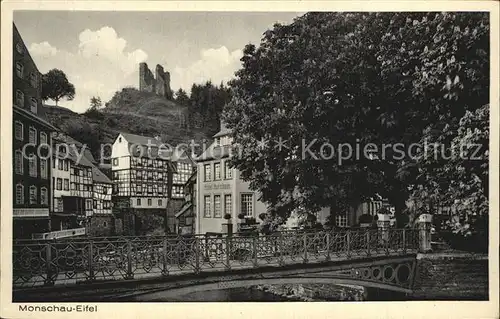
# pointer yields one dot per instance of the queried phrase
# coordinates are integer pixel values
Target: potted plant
(227, 227)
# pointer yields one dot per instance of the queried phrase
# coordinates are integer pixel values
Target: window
(43, 138)
(341, 220)
(150, 189)
(66, 184)
(20, 98)
(32, 166)
(18, 131)
(119, 140)
(33, 105)
(139, 188)
(72, 186)
(160, 202)
(19, 70)
(160, 189)
(60, 205)
(138, 174)
(115, 162)
(216, 171)
(228, 172)
(20, 47)
(33, 197)
(43, 196)
(60, 165)
(59, 184)
(217, 206)
(177, 192)
(34, 80)
(89, 172)
(95, 203)
(66, 166)
(247, 204)
(19, 162)
(228, 209)
(88, 204)
(207, 206)
(160, 176)
(43, 168)
(217, 141)
(208, 173)
(19, 194)
(138, 202)
(32, 135)
(150, 202)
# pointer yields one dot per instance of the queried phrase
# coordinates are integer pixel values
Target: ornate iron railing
(75, 260)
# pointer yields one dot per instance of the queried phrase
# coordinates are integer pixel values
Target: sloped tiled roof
(141, 140)
(99, 176)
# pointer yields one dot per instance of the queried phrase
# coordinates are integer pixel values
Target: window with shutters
(33, 197)
(18, 130)
(20, 98)
(32, 166)
(19, 70)
(43, 196)
(19, 194)
(32, 135)
(43, 168)
(19, 161)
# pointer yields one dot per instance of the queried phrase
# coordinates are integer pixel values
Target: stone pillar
(383, 224)
(424, 223)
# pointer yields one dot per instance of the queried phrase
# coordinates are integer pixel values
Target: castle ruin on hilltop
(158, 83)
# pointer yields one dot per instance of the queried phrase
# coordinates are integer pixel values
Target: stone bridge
(153, 268)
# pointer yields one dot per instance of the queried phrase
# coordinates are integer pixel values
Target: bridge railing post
(164, 271)
(348, 243)
(228, 253)
(404, 240)
(368, 242)
(328, 246)
(197, 254)
(255, 253)
(90, 261)
(48, 263)
(130, 273)
(305, 247)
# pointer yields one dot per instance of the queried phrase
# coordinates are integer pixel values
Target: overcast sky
(100, 51)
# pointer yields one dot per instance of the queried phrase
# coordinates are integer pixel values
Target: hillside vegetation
(130, 111)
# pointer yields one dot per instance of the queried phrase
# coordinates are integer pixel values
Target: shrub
(241, 216)
(227, 216)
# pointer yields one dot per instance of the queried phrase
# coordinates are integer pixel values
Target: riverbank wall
(439, 276)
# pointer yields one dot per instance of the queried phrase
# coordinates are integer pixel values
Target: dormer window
(20, 48)
(34, 105)
(20, 98)
(19, 70)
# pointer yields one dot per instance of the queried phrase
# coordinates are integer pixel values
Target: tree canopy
(354, 78)
(55, 85)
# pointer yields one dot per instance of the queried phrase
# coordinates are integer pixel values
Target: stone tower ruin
(158, 83)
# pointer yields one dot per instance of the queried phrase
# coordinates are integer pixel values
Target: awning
(184, 208)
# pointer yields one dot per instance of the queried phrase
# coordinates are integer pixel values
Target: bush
(241, 216)
(227, 216)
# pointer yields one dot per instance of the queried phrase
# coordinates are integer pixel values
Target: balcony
(60, 233)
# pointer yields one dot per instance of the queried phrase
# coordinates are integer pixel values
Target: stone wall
(101, 225)
(147, 81)
(452, 278)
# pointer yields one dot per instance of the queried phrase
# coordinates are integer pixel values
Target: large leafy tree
(55, 86)
(352, 78)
